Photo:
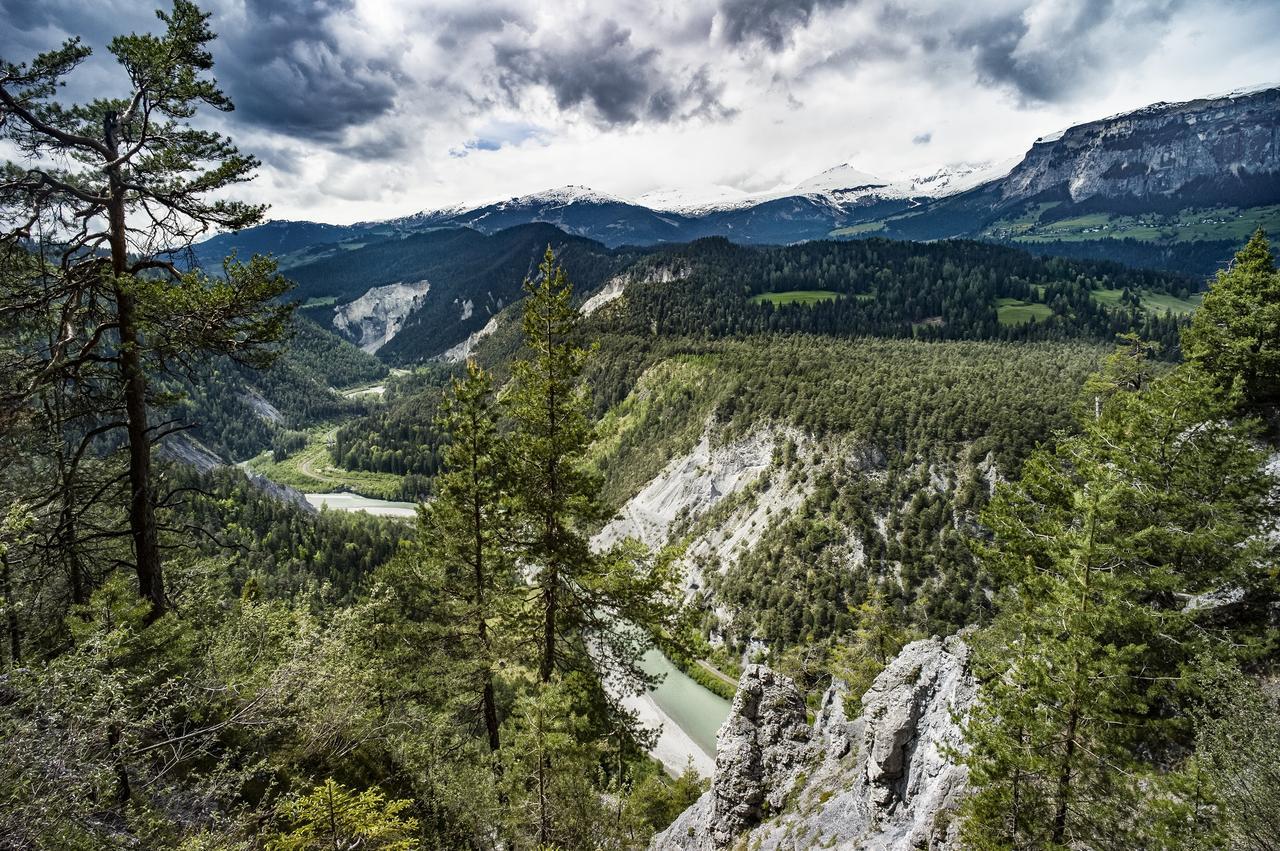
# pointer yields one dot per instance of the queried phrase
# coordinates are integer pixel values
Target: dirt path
(717, 673)
(306, 464)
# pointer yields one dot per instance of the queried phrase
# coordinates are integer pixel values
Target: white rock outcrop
(378, 315)
(885, 781)
(617, 285)
(690, 486)
(461, 351)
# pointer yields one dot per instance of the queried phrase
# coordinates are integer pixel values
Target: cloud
(610, 76)
(770, 22)
(1049, 51)
(286, 67)
(372, 108)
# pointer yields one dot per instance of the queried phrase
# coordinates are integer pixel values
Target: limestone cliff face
(378, 315)
(884, 781)
(1156, 151)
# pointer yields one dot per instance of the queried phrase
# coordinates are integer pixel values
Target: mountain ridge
(1215, 153)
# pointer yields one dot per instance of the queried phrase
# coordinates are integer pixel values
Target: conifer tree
(588, 609)
(1096, 550)
(1235, 334)
(134, 183)
(465, 531)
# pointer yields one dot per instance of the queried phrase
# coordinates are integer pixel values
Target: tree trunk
(11, 612)
(550, 588)
(549, 595)
(1064, 780)
(142, 518)
(1063, 793)
(491, 712)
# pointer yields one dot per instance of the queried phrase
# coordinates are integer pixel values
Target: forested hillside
(239, 411)
(945, 290)
(471, 277)
(698, 464)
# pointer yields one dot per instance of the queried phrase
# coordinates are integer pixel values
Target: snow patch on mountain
(560, 197)
(693, 199)
(841, 184)
(378, 315)
(846, 184)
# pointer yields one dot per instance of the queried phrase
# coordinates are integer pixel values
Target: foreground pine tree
(465, 529)
(1096, 551)
(1235, 334)
(135, 182)
(588, 612)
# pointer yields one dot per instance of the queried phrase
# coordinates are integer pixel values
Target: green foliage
(111, 189)
(656, 800)
(796, 297)
(613, 600)
(462, 265)
(335, 817)
(550, 773)
(1235, 336)
(219, 397)
(939, 291)
(896, 410)
(1238, 753)
(466, 530)
(1094, 551)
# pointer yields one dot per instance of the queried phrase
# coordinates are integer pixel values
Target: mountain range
(1169, 177)
(1169, 187)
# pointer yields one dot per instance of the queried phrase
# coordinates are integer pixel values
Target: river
(686, 714)
(689, 708)
(344, 501)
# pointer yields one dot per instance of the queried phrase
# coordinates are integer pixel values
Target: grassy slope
(1193, 225)
(1012, 311)
(1152, 302)
(311, 471)
(797, 297)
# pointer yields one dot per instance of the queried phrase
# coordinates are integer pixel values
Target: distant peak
(570, 194)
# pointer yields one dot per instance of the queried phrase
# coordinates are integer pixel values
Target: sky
(369, 109)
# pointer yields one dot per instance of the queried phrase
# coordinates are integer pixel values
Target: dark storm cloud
(286, 71)
(1081, 46)
(770, 22)
(278, 60)
(922, 138)
(604, 70)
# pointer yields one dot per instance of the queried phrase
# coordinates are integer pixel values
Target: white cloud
(371, 108)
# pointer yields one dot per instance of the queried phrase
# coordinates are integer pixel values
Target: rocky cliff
(377, 316)
(883, 781)
(1159, 150)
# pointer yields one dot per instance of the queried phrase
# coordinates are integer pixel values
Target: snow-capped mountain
(696, 199)
(840, 185)
(1218, 150)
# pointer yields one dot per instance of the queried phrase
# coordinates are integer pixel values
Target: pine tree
(1096, 550)
(335, 817)
(140, 184)
(1235, 334)
(465, 529)
(613, 603)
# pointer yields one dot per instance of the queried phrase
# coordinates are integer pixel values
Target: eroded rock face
(882, 781)
(1158, 150)
(759, 749)
(378, 315)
